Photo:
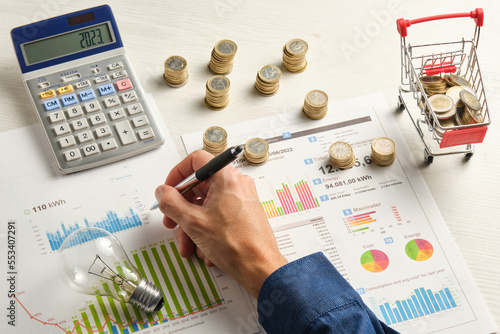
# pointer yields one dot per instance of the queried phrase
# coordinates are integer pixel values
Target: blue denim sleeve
(310, 296)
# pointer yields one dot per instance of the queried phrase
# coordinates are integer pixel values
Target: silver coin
(269, 73)
(175, 64)
(298, 46)
(226, 47)
(219, 83)
(215, 135)
(257, 146)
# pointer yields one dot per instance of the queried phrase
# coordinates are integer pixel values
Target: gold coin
(454, 93)
(383, 146)
(441, 103)
(458, 80)
(256, 151)
(341, 155)
(470, 100)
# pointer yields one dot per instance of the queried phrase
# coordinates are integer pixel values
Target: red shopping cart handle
(402, 24)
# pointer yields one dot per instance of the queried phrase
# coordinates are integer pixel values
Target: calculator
(85, 93)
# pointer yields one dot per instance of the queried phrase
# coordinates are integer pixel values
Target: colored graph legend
(291, 200)
(421, 303)
(374, 261)
(111, 223)
(419, 249)
(358, 222)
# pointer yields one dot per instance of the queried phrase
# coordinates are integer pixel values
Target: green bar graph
(187, 285)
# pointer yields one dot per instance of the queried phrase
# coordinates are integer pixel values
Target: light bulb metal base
(147, 297)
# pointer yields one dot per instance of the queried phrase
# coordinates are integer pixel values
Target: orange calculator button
(65, 89)
(47, 94)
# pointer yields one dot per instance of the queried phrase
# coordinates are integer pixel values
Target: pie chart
(419, 250)
(374, 261)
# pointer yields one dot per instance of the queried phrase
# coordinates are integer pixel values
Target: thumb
(175, 207)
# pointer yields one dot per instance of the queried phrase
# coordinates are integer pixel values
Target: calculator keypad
(101, 113)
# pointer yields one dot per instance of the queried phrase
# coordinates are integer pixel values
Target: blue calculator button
(69, 100)
(87, 95)
(106, 89)
(52, 104)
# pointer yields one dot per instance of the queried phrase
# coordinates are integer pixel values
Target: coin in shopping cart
(383, 151)
(459, 81)
(471, 116)
(175, 74)
(294, 55)
(256, 151)
(267, 82)
(444, 124)
(315, 104)
(221, 61)
(454, 93)
(215, 140)
(441, 103)
(470, 100)
(342, 155)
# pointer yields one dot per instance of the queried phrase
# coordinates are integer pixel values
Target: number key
(90, 149)
(92, 106)
(97, 119)
(61, 129)
(75, 111)
(56, 116)
(84, 137)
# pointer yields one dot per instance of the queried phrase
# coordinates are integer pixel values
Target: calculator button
(116, 114)
(119, 74)
(103, 131)
(124, 84)
(43, 84)
(97, 119)
(115, 66)
(146, 133)
(69, 100)
(140, 121)
(87, 95)
(61, 129)
(75, 111)
(106, 89)
(71, 77)
(125, 132)
(96, 70)
(129, 97)
(84, 136)
(51, 104)
(109, 144)
(82, 84)
(111, 101)
(134, 109)
(67, 141)
(73, 154)
(101, 79)
(65, 89)
(92, 106)
(79, 124)
(90, 149)
(47, 94)
(56, 116)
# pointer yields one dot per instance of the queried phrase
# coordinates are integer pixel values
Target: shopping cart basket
(443, 60)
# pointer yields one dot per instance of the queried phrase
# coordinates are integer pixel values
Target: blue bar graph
(111, 223)
(420, 303)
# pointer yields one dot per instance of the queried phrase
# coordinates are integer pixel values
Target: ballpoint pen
(212, 167)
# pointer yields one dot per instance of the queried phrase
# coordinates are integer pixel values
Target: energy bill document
(379, 226)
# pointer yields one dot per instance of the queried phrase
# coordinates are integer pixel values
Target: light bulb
(92, 261)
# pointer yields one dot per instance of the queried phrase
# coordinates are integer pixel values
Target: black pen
(212, 167)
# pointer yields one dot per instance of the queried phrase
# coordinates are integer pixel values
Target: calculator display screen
(67, 43)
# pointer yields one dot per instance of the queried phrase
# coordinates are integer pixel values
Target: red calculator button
(124, 84)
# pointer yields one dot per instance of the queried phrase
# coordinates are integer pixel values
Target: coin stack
(433, 85)
(222, 58)
(268, 80)
(472, 110)
(294, 55)
(215, 140)
(256, 151)
(217, 96)
(341, 155)
(176, 74)
(383, 151)
(443, 106)
(315, 104)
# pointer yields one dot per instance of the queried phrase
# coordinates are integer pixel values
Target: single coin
(317, 98)
(454, 93)
(218, 83)
(176, 63)
(257, 146)
(384, 145)
(226, 47)
(470, 100)
(297, 46)
(430, 79)
(441, 103)
(215, 134)
(270, 73)
(459, 80)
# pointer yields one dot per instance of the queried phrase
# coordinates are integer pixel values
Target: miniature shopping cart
(443, 59)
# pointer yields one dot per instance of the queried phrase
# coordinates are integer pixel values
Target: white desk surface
(354, 49)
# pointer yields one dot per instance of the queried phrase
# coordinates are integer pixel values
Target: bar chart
(186, 283)
(421, 302)
(290, 198)
(357, 222)
(111, 222)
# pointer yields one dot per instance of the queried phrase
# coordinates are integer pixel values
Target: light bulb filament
(101, 269)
